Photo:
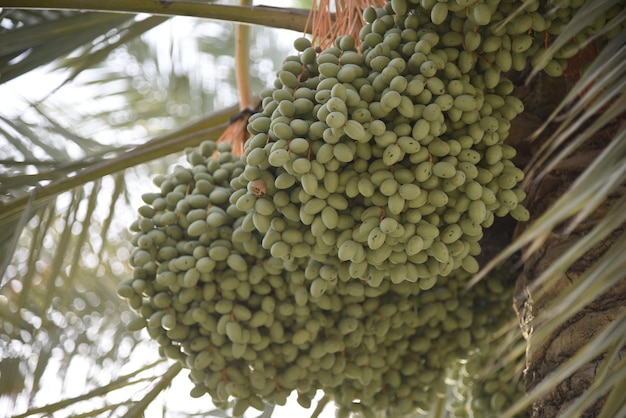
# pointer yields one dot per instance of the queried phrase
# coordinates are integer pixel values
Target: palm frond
(103, 390)
(67, 279)
(95, 54)
(139, 407)
(276, 17)
(601, 94)
(614, 405)
(33, 44)
(209, 127)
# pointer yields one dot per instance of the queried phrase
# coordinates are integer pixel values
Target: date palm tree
(69, 175)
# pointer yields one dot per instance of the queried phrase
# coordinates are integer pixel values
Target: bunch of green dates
(392, 160)
(504, 35)
(335, 254)
(242, 320)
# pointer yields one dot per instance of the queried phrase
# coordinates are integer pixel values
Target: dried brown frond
(236, 134)
(347, 19)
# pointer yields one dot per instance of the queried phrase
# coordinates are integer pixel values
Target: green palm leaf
(94, 54)
(206, 128)
(277, 17)
(54, 35)
(103, 390)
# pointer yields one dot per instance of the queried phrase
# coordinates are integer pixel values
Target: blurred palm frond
(130, 379)
(25, 203)
(31, 39)
(275, 17)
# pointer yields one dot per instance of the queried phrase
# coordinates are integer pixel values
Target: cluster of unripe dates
(245, 324)
(334, 254)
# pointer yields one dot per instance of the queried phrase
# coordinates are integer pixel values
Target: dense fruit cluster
(335, 253)
(501, 35)
(393, 160)
(489, 380)
(244, 325)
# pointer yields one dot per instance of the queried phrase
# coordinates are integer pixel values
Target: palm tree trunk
(545, 354)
